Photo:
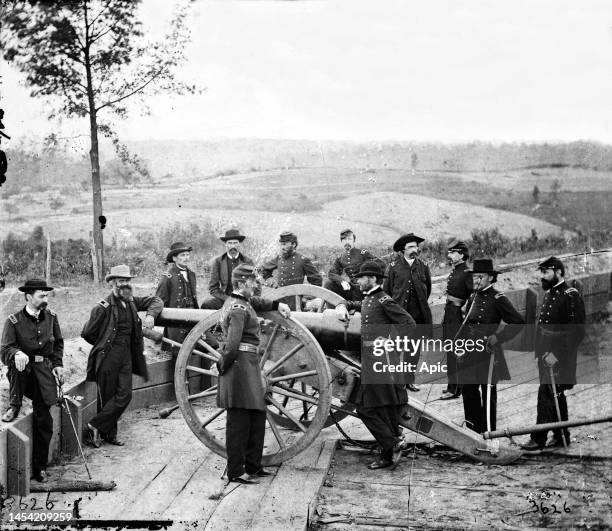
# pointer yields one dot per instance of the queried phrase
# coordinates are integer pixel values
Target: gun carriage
(310, 368)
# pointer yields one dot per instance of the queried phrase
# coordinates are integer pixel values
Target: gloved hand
(549, 359)
(342, 312)
(21, 360)
(271, 283)
(284, 310)
(346, 286)
(148, 321)
(58, 372)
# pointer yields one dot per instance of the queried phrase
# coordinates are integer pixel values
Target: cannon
(310, 369)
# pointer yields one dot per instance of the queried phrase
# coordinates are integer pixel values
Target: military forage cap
(243, 271)
(287, 236)
(551, 263)
(34, 284)
(345, 233)
(458, 245)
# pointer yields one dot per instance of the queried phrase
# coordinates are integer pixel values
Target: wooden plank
(304, 474)
(19, 453)
(3, 462)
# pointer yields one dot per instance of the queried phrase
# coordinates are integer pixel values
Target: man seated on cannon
(340, 278)
(115, 331)
(240, 389)
(379, 405)
(292, 267)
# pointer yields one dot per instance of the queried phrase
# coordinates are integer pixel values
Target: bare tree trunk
(48, 261)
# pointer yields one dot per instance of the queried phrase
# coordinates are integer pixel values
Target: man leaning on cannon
(33, 348)
(115, 331)
(379, 405)
(560, 330)
(240, 389)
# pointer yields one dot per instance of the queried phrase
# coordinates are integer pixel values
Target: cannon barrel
(329, 331)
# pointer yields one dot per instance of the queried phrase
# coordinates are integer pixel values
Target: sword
(553, 383)
(64, 402)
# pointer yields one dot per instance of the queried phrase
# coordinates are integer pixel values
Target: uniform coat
(240, 383)
(348, 263)
(176, 292)
(292, 270)
(100, 331)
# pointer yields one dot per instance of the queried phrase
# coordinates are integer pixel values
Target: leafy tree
(92, 55)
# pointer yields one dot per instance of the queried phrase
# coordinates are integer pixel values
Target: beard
(286, 254)
(42, 305)
(547, 284)
(125, 293)
(347, 247)
(411, 255)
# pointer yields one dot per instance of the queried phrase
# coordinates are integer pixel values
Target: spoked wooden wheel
(290, 353)
(302, 409)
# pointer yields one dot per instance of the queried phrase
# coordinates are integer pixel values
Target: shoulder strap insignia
(363, 251)
(12, 318)
(500, 295)
(571, 291)
(392, 264)
(167, 274)
(237, 306)
(385, 298)
(52, 313)
(104, 303)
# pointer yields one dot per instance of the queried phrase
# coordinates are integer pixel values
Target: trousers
(245, 430)
(383, 423)
(114, 379)
(475, 406)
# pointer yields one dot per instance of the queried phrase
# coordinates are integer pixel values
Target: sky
(418, 70)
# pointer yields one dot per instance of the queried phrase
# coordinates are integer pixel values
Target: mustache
(43, 305)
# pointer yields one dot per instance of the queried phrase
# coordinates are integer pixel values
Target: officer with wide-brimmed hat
(560, 330)
(177, 288)
(292, 266)
(241, 389)
(484, 365)
(379, 405)
(458, 289)
(409, 283)
(115, 331)
(341, 277)
(32, 348)
(221, 268)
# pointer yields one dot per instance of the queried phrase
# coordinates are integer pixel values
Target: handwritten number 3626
(545, 510)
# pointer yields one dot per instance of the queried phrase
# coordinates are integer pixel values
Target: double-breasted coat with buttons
(378, 309)
(176, 292)
(458, 289)
(560, 329)
(35, 337)
(487, 308)
(240, 380)
(101, 328)
(292, 270)
(410, 285)
(349, 262)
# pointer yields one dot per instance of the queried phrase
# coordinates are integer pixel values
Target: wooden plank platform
(165, 473)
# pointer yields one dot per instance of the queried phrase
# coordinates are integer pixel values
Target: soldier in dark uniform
(115, 331)
(240, 389)
(409, 283)
(221, 267)
(32, 348)
(561, 328)
(292, 266)
(347, 264)
(458, 289)
(177, 288)
(379, 405)
(487, 307)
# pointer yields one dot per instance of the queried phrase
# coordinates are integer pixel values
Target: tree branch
(135, 91)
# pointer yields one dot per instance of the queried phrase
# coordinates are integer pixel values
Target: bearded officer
(32, 348)
(379, 405)
(485, 365)
(561, 328)
(458, 289)
(177, 288)
(240, 389)
(115, 331)
(409, 283)
(340, 278)
(292, 266)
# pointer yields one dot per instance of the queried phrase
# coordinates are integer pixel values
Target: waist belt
(552, 333)
(455, 301)
(37, 359)
(247, 347)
